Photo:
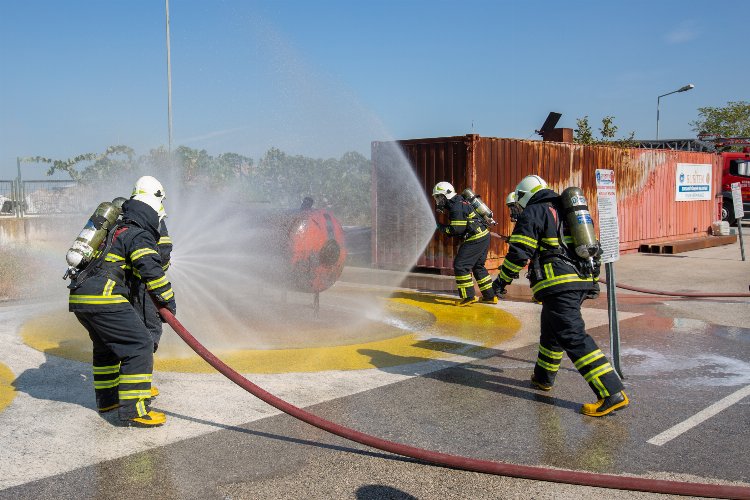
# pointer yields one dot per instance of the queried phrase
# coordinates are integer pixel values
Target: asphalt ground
(686, 363)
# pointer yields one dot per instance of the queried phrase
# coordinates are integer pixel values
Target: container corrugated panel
(646, 185)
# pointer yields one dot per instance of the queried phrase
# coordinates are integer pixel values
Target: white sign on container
(739, 210)
(693, 182)
(609, 227)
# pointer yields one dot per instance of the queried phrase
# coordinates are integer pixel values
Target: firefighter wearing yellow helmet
(471, 229)
(561, 280)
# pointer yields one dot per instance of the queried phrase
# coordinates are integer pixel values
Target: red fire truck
(735, 168)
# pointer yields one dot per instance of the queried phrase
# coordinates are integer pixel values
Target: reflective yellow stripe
(96, 299)
(108, 287)
(480, 234)
(165, 240)
(505, 277)
(588, 358)
(548, 272)
(458, 223)
(511, 266)
(167, 295)
(136, 378)
(559, 280)
(553, 242)
(548, 366)
(551, 354)
(484, 280)
(598, 372)
(106, 384)
(524, 240)
(140, 253)
(113, 257)
(157, 283)
(104, 370)
(134, 394)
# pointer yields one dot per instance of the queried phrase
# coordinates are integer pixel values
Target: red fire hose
(681, 294)
(458, 462)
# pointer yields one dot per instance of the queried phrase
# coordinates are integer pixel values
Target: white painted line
(699, 417)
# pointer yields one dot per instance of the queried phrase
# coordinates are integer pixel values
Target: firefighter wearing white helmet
(123, 349)
(471, 230)
(541, 240)
(150, 191)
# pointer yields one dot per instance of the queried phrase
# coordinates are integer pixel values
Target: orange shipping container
(645, 178)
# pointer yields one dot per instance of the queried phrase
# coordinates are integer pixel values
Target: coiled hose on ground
(455, 461)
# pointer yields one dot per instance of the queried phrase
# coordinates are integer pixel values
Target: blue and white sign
(693, 182)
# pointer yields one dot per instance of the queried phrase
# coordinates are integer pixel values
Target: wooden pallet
(672, 247)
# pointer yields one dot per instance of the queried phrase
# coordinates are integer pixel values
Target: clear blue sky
(320, 78)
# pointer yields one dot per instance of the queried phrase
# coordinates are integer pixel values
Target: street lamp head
(687, 87)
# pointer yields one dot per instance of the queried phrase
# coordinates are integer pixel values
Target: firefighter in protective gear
(148, 186)
(561, 284)
(466, 225)
(122, 346)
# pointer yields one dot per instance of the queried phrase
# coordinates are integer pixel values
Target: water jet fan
(315, 251)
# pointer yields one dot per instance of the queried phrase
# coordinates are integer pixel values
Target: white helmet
(444, 188)
(528, 187)
(150, 191)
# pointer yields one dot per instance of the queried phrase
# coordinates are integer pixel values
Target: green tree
(607, 132)
(115, 161)
(732, 120)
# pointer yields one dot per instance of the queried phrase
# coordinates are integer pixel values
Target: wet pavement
(446, 388)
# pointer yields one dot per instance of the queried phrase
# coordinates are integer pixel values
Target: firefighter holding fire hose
(467, 225)
(123, 348)
(554, 235)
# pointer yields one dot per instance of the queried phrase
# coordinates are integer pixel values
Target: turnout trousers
(563, 330)
(470, 260)
(147, 311)
(123, 360)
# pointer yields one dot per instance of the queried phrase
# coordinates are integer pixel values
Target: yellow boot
(606, 406)
(150, 419)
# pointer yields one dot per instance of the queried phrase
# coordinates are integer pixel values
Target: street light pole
(169, 86)
(687, 87)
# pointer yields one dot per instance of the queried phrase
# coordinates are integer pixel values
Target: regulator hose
(455, 461)
(681, 294)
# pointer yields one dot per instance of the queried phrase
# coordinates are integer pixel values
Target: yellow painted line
(7, 391)
(444, 330)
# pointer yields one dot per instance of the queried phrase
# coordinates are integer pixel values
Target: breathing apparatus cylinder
(580, 225)
(92, 235)
(479, 206)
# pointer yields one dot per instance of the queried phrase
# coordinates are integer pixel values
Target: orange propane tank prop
(316, 250)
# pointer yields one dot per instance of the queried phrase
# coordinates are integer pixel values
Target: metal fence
(47, 197)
